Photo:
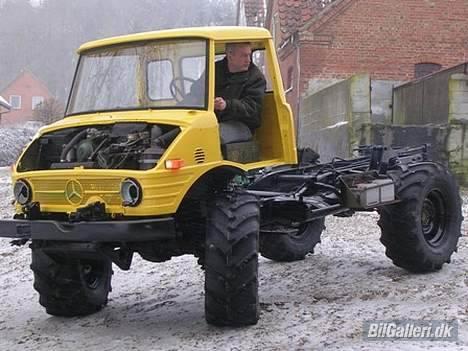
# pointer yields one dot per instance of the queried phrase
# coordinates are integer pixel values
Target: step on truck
(135, 167)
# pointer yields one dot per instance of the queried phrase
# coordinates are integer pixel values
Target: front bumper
(97, 231)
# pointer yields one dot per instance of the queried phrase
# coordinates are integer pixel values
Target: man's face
(239, 58)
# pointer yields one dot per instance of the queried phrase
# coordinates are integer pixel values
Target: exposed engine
(118, 146)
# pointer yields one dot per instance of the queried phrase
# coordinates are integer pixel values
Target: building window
(37, 100)
(423, 69)
(15, 102)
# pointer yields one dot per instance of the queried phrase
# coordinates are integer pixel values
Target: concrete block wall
(360, 98)
(338, 118)
(458, 97)
(330, 117)
(382, 100)
(457, 142)
(457, 149)
(324, 116)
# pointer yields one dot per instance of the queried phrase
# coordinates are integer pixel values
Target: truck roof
(214, 33)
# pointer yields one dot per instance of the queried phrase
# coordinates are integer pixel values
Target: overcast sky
(36, 2)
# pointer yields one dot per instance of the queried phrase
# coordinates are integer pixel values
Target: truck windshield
(142, 75)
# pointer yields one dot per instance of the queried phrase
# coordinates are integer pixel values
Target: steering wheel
(176, 91)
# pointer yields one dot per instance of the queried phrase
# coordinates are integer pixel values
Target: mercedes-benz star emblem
(74, 192)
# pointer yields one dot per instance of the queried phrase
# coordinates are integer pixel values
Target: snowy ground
(319, 303)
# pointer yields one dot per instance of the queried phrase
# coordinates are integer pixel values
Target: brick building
(251, 12)
(322, 41)
(24, 93)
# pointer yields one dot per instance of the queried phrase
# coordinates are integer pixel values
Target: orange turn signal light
(174, 164)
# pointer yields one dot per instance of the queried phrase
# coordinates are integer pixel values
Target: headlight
(130, 191)
(22, 192)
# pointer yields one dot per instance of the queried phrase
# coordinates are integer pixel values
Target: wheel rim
(433, 218)
(91, 273)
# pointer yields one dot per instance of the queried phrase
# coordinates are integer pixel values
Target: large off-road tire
(231, 260)
(282, 238)
(69, 286)
(421, 232)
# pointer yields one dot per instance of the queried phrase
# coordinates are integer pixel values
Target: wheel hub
(433, 218)
(90, 275)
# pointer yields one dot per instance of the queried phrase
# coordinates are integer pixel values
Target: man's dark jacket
(243, 93)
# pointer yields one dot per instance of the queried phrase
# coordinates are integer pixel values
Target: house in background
(320, 42)
(391, 72)
(4, 107)
(251, 12)
(23, 94)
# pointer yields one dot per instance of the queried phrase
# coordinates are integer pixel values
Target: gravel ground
(318, 303)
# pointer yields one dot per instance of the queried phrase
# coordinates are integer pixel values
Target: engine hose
(72, 143)
(97, 149)
(165, 139)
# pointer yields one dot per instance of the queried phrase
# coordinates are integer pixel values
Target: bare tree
(49, 111)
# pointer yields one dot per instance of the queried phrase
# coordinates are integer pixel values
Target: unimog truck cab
(137, 165)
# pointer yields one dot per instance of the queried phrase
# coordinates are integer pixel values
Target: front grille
(53, 191)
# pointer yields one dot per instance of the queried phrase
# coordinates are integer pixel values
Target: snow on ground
(318, 303)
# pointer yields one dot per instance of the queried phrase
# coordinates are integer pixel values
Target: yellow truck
(137, 167)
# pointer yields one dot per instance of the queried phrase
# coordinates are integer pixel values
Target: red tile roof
(294, 14)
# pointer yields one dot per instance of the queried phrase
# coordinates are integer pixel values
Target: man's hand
(219, 104)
